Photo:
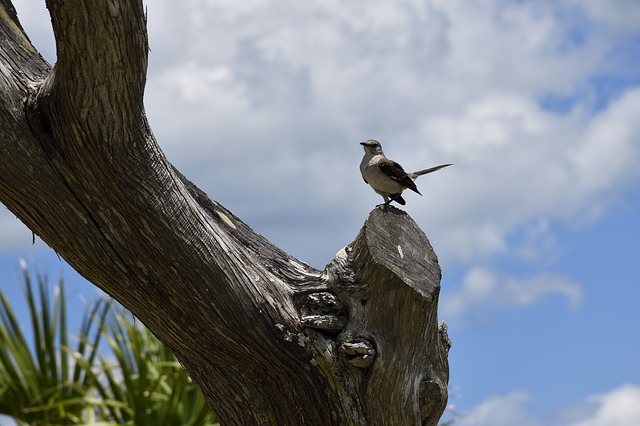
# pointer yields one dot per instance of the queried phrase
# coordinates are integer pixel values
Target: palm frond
(135, 380)
(158, 390)
(36, 386)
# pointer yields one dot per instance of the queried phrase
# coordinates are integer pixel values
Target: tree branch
(101, 66)
(389, 280)
(269, 339)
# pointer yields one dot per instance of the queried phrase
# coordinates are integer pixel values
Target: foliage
(134, 381)
(146, 384)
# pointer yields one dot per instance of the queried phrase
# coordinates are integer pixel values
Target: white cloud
(277, 96)
(619, 407)
(484, 287)
(618, 14)
(516, 166)
(506, 410)
(436, 81)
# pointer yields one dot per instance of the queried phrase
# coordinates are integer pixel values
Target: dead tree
(269, 339)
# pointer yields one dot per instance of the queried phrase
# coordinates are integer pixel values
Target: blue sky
(537, 223)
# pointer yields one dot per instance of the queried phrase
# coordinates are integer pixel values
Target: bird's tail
(429, 170)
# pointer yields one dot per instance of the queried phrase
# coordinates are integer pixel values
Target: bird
(387, 177)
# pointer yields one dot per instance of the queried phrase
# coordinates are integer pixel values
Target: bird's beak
(363, 143)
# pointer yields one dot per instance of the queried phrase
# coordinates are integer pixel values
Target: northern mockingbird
(387, 177)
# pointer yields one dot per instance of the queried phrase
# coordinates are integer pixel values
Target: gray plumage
(387, 177)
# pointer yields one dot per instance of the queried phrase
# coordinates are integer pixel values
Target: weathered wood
(389, 281)
(269, 339)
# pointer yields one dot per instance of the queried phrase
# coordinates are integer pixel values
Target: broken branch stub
(387, 283)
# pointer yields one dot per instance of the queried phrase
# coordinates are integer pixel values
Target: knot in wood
(323, 311)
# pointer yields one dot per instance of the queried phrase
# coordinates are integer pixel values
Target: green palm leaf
(135, 380)
(36, 385)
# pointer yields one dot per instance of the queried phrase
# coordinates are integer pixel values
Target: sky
(537, 224)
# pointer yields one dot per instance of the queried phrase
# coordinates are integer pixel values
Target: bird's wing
(397, 173)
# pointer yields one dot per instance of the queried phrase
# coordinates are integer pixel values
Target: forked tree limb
(269, 339)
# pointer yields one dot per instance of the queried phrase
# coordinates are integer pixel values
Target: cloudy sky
(262, 103)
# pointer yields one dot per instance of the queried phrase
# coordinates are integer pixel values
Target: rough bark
(269, 339)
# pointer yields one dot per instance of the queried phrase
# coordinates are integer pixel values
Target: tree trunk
(269, 339)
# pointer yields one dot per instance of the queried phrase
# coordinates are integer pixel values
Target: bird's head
(372, 147)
